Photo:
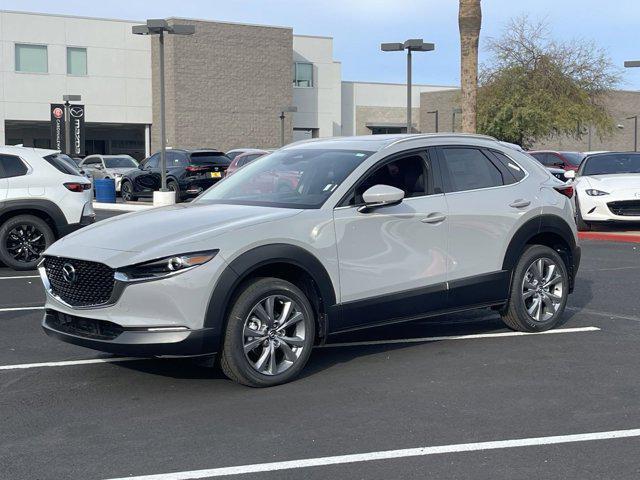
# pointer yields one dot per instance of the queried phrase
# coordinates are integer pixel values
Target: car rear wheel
(173, 186)
(539, 291)
(126, 191)
(23, 239)
(270, 333)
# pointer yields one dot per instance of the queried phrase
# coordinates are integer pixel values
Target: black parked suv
(189, 172)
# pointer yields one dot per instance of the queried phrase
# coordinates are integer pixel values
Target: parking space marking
(17, 309)
(16, 277)
(389, 455)
(67, 363)
(461, 337)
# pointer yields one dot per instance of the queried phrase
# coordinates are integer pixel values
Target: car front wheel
(270, 334)
(539, 291)
(126, 191)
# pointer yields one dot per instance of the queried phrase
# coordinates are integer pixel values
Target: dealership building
(225, 85)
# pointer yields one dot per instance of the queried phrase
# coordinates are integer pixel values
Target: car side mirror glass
(570, 174)
(380, 196)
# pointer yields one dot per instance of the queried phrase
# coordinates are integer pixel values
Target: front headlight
(164, 267)
(596, 193)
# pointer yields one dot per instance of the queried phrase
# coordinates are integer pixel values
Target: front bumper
(597, 208)
(134, 342)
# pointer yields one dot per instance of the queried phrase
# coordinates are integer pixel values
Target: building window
(31, 58)
(303, 74)
(76, 61)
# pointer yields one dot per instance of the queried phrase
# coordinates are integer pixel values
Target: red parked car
(553, 159)
(245, 157)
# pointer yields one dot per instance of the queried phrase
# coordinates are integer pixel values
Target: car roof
(253, 151)
(377, 142)
(16, 150)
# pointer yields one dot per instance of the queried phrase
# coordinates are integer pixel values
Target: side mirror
(570, 174)
(141, 166)
(380, 196)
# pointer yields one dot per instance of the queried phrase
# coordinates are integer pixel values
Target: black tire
(34, 228)
(126, 191)
(173, 186)
(515, 314)
(580, 223)
(233, 360)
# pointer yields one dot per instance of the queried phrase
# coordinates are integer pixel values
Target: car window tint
(408, 174)
(12, 166)
(62, 163)
(513, 167)
(153, 162)
(91, 162)
(208, 158)
(470, 169)
(176, 159)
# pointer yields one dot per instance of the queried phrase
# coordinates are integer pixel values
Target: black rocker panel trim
(465, 294)
(240, 268)
(46, 207)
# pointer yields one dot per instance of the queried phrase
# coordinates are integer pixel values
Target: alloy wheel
(25, 243)
(125, 191)
(542, 289)
(274, 335)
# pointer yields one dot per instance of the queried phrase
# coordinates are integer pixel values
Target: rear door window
(12, 166)
(467, 168)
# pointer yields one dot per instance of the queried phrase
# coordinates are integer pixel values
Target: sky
(359, 26)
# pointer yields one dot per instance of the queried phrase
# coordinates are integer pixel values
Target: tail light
(77, 187)
(566, 190)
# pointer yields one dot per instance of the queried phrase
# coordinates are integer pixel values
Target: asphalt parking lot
(371, 406)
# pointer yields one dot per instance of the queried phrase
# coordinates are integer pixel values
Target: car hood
(620, 181)
(158, 232)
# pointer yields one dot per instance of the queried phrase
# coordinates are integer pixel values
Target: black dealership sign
(57, 126)
(76, 127)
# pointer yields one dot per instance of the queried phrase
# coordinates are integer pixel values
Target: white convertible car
(607, 189)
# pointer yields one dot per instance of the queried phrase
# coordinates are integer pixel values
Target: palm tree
(469, 23)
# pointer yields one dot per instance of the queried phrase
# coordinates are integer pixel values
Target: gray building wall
(379, 116)
(224, 86)
(620, 103)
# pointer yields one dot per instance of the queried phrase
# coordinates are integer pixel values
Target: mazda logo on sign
(76, 112)
(69, 273)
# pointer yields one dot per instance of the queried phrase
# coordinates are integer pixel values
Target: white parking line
(461, 337)
(19, 276)
(388, 455)
(345, 344)
(18, 309)
(67, 363)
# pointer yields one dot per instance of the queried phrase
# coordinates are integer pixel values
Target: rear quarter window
(515, 169)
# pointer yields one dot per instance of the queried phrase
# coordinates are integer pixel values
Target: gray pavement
(110, 420)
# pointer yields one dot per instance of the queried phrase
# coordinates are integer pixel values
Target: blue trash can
(105, 190)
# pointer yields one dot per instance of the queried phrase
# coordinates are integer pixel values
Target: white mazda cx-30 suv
(318, 238)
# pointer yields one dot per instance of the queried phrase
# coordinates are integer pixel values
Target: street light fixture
(67, 120)
(284, 110)
(635, 131)
(160, 27)
(411, 45)
(632, 63)
(436, 115)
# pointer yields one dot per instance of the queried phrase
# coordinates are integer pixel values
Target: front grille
(82, 327)
(91, 284)
(626, 208)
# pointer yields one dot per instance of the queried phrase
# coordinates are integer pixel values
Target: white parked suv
(42, 198)
(607, 187)
(319, 238)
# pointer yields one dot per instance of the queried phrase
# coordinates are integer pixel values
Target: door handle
(520, 203)
(434, 218)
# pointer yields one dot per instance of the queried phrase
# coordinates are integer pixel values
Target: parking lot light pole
(284, 110)
(67, 120)
(411, 45)
(635, 131)
(160, 27)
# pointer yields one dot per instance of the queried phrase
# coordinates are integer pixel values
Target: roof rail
(439, 135)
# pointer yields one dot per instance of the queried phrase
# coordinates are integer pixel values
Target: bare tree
(469, 23)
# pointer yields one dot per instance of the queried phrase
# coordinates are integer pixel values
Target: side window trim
(427, 165)
(448, 186)
(525, 173)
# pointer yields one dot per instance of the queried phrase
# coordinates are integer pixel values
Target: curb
(122, 207)
(610, 237)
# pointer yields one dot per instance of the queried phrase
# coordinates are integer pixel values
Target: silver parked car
(315, 239)
(108, 166)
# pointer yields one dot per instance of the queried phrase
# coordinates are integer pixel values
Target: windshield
(120, 162)
(612, 163)
(574, 158)
(299, 178)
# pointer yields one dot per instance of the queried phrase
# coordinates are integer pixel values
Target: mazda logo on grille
(69, 273)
